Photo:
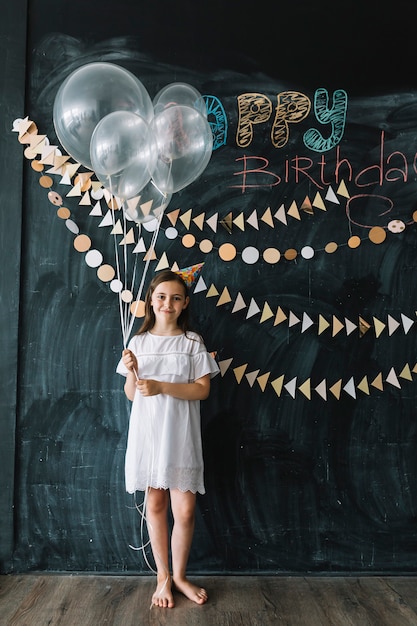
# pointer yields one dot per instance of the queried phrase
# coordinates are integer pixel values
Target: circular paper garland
(228, 252)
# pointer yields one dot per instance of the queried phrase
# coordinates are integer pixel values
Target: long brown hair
(149, 320)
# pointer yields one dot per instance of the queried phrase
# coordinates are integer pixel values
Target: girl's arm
(131, 363)
(198, 390)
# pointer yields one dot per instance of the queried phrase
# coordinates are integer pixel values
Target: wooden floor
(89, 600)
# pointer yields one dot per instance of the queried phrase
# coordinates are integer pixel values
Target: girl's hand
(130, 360)
(148, 387)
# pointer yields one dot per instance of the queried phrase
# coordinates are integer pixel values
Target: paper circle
(137, 308)
(72, 226)
(188, 241)
(396, 226)
(271, 255)
(171, 233)
(116, 285)
(126, 295)
(331, 247)
(354, 241)
(206, 246)
(227, 252)
(93, 258)
(290, 254)
(82, 243)
(377, 234)
(63, 213)
(54, 198)
(250, 255)
(307, 252)
(105, 273)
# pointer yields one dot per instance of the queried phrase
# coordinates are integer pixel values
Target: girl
(168, 371)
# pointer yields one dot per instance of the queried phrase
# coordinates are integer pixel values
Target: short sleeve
(203, 363)
(121, 367)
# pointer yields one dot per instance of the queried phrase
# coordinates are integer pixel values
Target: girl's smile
(168, 301)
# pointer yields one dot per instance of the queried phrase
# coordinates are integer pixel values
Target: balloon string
(116, 254)
(148, 260)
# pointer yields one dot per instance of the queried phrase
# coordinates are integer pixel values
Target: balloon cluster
(138, 148)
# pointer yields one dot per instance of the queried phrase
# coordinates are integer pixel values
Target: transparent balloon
(149, 205)
(89, 94)
(179, 94)
(123, 153)
(185, 141)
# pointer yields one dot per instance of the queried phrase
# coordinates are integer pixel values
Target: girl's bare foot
(163, 594)
(192, 592)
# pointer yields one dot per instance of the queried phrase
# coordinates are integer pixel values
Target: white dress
(164, 447)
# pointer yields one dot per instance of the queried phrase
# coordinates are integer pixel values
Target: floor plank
(90, 600)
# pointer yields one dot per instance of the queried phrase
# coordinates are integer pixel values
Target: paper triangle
(96, 210)
(200, 286)
(224, 298)
(280, 316)
(377, 382)
(305, 388)
(239, 372)
(186, 218)
(392, 378)
(266, 313)
(199, 220)
(173, 216)
(267, 218)
(342, 191)
(253, 220)
(293, 319)
(224, 366)
(406, 372)
(331, 196)
(307, 206)
(363, 385)
(363, 326)
(392, 325)
(293, 211)
(336, 389)
(140, 247)
(323, 324)
(253, 309)
(117, 229)
(350, 388)
(280, 215)
(212, 291)
(290, 386)
(307, 322)
(407, 323)
(150, 255)
(318, 202)
(240, 221)
(128, 239)
(321, 389)
(251, 377)
(163, 263)
(350, 326)
(212, 222)
(337, 326)
(379, 326)
(227, 222)
(239, 303)
(75, 191)
(277, 385)
(262, 380)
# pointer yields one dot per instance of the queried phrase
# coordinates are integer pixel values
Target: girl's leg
(183, 511)
(157, 521)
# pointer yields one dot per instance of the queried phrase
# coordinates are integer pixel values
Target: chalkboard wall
(304, 222)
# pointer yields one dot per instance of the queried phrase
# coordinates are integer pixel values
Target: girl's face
(168, 301)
